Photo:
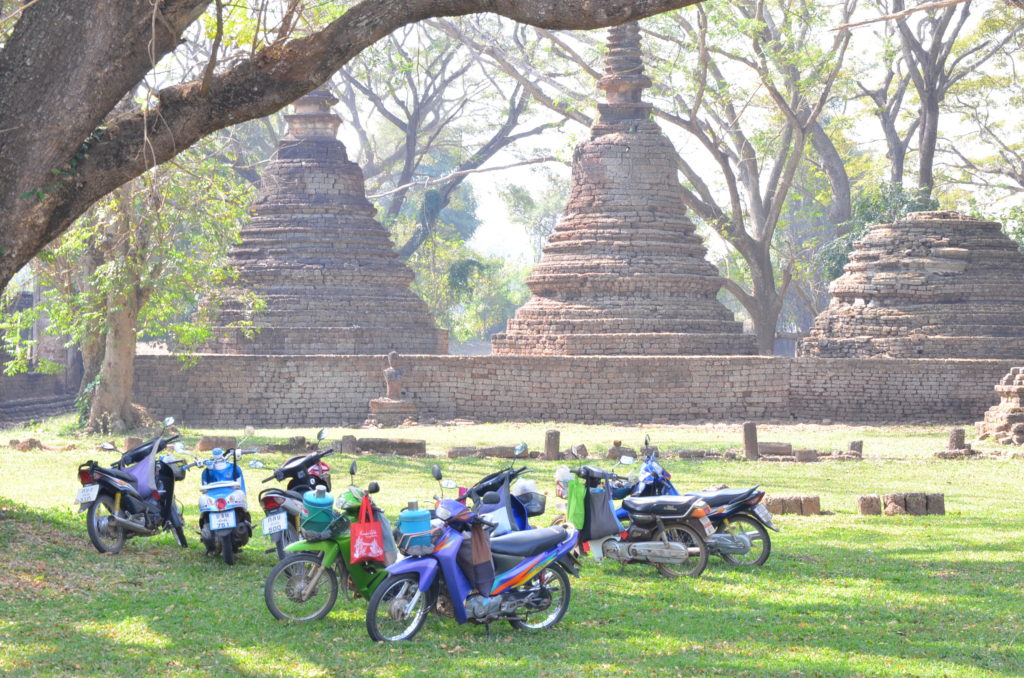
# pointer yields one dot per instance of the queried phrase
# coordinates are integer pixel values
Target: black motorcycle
(134, 496)
(283, 506)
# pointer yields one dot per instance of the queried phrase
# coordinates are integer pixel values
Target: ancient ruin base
(389, 413)
(314, 391)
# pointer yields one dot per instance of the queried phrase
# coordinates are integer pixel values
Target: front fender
(424, 568)
(329, 547)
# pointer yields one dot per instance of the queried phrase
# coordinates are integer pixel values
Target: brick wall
(227, 390)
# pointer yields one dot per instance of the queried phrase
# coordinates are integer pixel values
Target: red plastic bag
(367, 536)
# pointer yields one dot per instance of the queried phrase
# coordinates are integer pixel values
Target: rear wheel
(176, 527)
(550, 599)
(397, 609)
(287, 537)
(299, 589)
(695, 545)
(760, 542)
(104, 532)
(227, 548)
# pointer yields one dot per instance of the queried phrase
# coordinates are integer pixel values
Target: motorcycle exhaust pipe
(132, 525)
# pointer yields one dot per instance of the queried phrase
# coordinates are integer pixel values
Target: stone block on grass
(916, 504)
(398, 446)
(936, 503)
(810, 505)
(869, 505)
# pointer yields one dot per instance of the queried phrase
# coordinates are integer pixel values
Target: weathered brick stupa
(325, 267)
(932, 285)
(1005, 422)
(624, 273)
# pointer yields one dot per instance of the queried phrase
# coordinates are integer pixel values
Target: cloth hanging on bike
(481, 574)
(600, 520)
(367, 535)
(576, 496)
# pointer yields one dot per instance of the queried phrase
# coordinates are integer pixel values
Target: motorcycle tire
(750, 524)
(110, 537)
(551, 579)
(288, 580)
(227, 548)
(392, 593)
(287, 537)
(176, 527)
(694, 565)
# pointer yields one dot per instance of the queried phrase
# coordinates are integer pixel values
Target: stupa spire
(624, 81)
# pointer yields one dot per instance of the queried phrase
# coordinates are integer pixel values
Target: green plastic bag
(575, 510)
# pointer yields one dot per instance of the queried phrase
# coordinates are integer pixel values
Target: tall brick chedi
(313, 251)
(623, 273)
(931, 285)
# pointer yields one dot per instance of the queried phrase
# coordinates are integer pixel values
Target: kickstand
(488, 627)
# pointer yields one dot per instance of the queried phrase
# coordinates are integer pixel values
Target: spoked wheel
(760, 543)
(227, 548)
(176, 527)
(695, 545)
(104, 532)
(299, 589)
(397, 609)
(550, 599)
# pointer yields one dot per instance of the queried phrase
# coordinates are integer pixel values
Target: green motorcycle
(304, 585)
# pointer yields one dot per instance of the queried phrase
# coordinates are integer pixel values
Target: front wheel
(300, 589)
(227, 548)
(104, 532)
(695, 545)
(397, 609)
(549, 593)
(760, 543)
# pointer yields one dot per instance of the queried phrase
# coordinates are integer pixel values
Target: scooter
(515, 503)
(283, 507)
(304, 585)
(225, 525)
(527, 583)
(667, 532)
(134, 496)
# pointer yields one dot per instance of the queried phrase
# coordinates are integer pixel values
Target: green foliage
(538, 210)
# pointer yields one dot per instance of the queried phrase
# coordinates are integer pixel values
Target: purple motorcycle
(451, 565)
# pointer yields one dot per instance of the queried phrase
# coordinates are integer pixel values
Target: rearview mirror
(647, 440)
(373, 487)
(435, 471)
(449, 484)
(352, 468)
(520, 449)
(108, 447)
(256, 463)
(179, 447)
(626, 460)
(321, 434)
(169, 421)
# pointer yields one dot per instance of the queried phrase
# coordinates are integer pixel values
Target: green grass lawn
(842, 594)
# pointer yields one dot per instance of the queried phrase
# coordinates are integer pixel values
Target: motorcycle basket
(338, 524)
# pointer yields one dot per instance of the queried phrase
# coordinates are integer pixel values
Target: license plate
(275, 523)
(763, 513)
(87, 494)
(709, 529)
(222, 520)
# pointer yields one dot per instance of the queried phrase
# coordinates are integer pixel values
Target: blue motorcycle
(523, 580)
(225, 525)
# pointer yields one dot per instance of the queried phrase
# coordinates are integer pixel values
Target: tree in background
(148, 261)
(537, 211)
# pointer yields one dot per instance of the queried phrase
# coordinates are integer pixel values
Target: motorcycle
(740, 521)
(225, 525)
(283, 507)
(304, 585)
(517, 499)
(527, 584)
(667, 532)
(134, 496)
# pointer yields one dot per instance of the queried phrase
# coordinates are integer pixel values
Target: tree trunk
(92, 349)
(111, 410)
(927, 141)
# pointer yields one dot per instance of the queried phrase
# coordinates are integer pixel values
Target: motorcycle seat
(724, 497)
(528, 542)
(291, 494)
(659, 506)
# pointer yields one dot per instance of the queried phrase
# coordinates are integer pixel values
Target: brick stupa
(313, 251)
(1005, 422)
(932, 285)
(623, 273)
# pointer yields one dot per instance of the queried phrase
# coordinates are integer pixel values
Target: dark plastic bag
(600, 520)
